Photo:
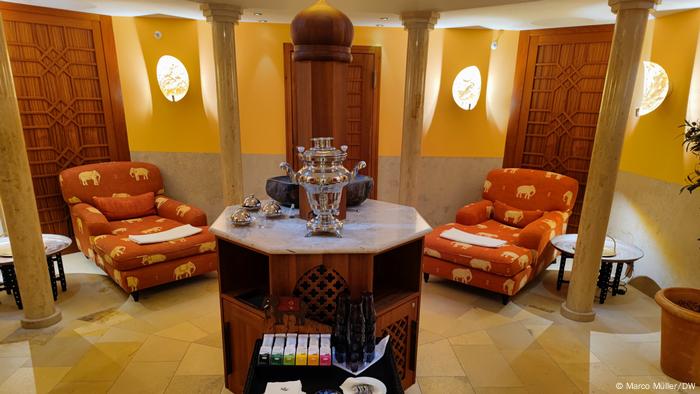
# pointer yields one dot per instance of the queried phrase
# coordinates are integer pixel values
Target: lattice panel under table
(318, 288)
(399, 341)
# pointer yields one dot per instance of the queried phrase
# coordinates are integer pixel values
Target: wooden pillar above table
(380, 251)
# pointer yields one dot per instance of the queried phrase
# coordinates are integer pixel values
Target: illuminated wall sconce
(656, 86)
(466, 88)
(172, 78)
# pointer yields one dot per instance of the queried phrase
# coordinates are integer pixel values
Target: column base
(576, 316)
(43, 322)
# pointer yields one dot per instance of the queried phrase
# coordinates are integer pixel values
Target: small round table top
(53, 244)
(625, 252)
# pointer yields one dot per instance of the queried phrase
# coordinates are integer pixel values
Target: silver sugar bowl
(323, 178)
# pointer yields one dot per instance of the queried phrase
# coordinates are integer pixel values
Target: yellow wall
(155, 124)
(653, 148)
(481, 131)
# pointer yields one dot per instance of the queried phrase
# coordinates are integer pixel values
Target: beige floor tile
(415, 389)
(15, 349)
(59, 352)
(33, 380)
(156, 348)
(104, 362)
(138, 325)
(485, 366)
(8, 366)
(501, 390)
(196, 384)
(473, 320)
(512, 336)
(563, 345)
(210, 323)
(116, 334)
(144, 378)
(81, 388)
(539, 372)
(213, 340)
(591, 378)
(473, 338)
(443, 385)
(623, 357)
(185, 331)
(425, 336)
(201, 360)
(430, 364)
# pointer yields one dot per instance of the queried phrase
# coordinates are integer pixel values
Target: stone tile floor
(469, 343)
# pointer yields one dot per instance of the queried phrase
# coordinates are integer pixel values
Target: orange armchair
(106, 241)
(526, 208)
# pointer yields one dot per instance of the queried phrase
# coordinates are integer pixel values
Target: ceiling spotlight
(257, 13)
(380, 25)
(384, 18)
(263, 21)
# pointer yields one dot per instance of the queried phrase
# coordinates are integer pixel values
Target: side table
(54, 244)
(625, 254)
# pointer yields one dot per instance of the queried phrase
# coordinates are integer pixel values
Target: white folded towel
(293, 387)
(454, 234)
(168, 235)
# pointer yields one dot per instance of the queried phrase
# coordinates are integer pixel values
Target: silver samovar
(323, 177)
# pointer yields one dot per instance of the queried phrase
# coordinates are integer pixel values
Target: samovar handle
(360, 165)
(289, 171)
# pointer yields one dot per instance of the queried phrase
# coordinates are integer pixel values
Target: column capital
(617, 5)
(419, 19)
(220, 12)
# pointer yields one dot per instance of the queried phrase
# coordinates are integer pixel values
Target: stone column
(17, 194)
(418, 24)
(632, 16)
(223, 18)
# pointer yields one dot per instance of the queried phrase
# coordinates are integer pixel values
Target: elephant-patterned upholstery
(132, 266)
(531, 208)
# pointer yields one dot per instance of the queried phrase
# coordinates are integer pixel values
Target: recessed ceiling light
(263, 21)
(384, 18)
(380, 25)
(257, 13)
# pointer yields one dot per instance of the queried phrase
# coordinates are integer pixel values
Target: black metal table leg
(6, 278)
(616, 279)
(61, 273)
(560, 275)
(15, 286)
(52, 276)
(604, 280)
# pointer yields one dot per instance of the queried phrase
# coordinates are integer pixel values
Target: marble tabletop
(624, 252)
(372, 227)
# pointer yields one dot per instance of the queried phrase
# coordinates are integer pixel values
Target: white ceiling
(493, 14)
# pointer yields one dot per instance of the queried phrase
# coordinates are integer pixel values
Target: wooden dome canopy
(322, 32)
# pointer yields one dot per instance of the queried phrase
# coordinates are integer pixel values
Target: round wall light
(466, 88)
(172, 78)
(656, 86)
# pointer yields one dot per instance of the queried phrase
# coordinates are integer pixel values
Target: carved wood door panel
(361, 134)
(68, 95)
(559, 86)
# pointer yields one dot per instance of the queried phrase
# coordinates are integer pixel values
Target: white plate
(377, 386)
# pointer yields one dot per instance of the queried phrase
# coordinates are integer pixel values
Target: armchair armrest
(537, 234)
(475, 213)
(179, 211)
(90, 219)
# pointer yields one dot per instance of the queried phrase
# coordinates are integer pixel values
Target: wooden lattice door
(362, 124)
(558, 89)
(65, 74)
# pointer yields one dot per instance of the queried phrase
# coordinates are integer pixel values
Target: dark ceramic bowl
(286, 193)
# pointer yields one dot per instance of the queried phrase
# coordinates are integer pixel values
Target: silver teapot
(323, 178)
